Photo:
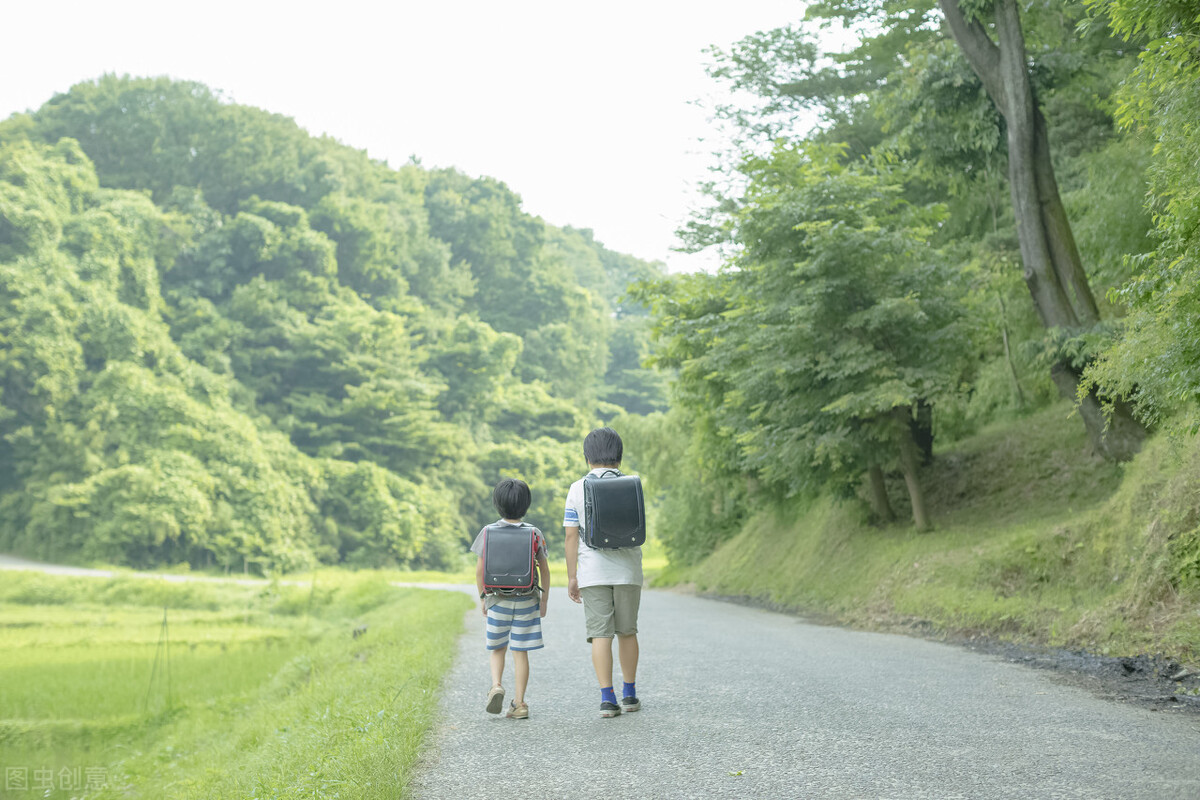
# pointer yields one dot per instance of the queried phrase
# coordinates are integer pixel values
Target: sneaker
(517, 711)
(608, 709)
(495, 700)
(629, 704)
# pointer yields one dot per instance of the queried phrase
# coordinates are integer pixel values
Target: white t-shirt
(600, 567)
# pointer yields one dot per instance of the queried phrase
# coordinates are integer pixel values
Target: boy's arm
(479, 585)
(544, 569)
(572, 550)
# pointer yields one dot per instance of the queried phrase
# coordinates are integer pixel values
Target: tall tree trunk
(1053, 269)
(922, 431)
(877, 491)
(910, 466)
(1064, 253)
(1116, 435)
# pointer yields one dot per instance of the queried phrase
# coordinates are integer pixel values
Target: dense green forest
(228, 342)
(232, 344)
(996, 209)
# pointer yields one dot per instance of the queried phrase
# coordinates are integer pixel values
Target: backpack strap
(534, 538)
(483, 557)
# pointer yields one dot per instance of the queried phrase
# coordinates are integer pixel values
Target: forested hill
(227, 342)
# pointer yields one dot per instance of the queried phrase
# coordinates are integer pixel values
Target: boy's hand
(545, 597)
(483, 607)
(573, 590)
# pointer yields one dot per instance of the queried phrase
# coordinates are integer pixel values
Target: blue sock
(627, 690)
(607, 695)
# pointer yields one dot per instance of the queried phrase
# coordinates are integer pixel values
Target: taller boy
(607, 582)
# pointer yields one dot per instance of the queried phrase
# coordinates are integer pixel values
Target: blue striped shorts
(516, 618)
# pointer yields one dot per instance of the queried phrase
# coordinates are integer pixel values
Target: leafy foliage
(784, 373)
(229, 343)
(800, 361)
(1157, 361)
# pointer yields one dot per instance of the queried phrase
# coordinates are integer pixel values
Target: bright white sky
(581, 108)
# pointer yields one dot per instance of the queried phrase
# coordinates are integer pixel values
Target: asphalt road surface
(743, 703)
(18, 563)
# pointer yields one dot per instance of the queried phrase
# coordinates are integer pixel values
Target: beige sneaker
(495, 699)
(518, 711)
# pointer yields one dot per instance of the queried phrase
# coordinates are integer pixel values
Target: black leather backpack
(509, 559)
(614, 511)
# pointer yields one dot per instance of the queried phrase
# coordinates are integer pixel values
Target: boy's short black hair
(603, 448)
(512, 497)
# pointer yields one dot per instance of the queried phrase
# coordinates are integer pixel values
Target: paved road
(25, 564)
(744, 703)
(8, 562)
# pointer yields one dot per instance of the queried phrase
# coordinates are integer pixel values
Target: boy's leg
(602, 660)
(495, 698)
(598, 616)
(600, 624)
(499, 625)
(627, 646)
(497, 659)
(626, 602)
(520, 675)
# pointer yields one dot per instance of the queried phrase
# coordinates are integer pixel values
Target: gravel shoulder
(1148, 681)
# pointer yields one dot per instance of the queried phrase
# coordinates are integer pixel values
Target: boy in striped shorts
(514, 618)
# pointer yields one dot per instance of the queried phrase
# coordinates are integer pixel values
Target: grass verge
(1035, 540)
(274, 691)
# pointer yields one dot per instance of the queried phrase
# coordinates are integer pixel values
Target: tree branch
(981, 52)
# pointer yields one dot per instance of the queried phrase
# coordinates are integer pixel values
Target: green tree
(521, 285)
(953, 107)
(114, 445)
(1053, 268)
(1156, 362)
(837, 323)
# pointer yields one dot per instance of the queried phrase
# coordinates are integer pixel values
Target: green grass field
(253, 691)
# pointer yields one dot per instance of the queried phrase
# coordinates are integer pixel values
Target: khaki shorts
(609, 610)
